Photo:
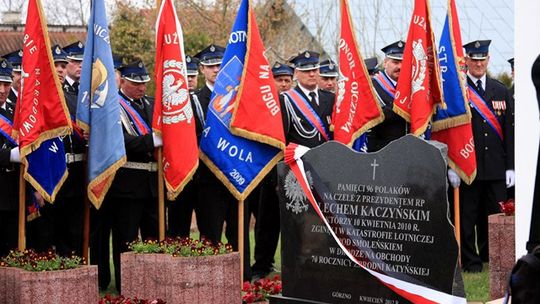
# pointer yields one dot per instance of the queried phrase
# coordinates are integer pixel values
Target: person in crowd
(384, 83)
(302, 127)
(9, 169)
(283, 76)
(15, 59)
(328, 75)
(75, 52)
(491, 125)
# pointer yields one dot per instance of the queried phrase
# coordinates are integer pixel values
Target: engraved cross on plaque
(374, 165)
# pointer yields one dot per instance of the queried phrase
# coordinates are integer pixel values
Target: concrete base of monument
(288, 300)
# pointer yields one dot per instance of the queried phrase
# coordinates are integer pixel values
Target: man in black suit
(75, 52)
(131, 203)
(495, 165)
(385, 82)
(15, 59)
(264, 203)
(307, 110)
(9, 171)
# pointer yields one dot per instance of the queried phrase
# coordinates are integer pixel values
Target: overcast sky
(480, 19)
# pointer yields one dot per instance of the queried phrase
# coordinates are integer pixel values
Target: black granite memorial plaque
(389, 210)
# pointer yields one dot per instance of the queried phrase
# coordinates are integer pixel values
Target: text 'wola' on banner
(244, 102)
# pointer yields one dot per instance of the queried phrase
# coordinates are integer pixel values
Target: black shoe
(475, 268)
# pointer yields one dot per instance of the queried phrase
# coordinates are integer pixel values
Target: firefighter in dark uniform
(328, 75)
(131, 203)
(265, 202)
(385, 82)
(100, 223)
(73, 68)
(495, 166)
(9, 169)
(216, 204)
(15, 59)
(298, 128)
(60, 224)
(180, 211)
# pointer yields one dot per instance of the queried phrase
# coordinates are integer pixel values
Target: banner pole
(457, 222)
(161, 196)
(241, 238)
(86, 215)
(22, 204)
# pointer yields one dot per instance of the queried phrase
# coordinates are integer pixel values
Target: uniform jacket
(12, 97)
(492, 159)
(293, 132)
(9, 172)
(74, 186)
(204, 175)
(136, 183)
(393, 126)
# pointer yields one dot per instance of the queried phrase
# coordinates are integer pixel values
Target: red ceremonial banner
(41, 112)
(418, 90)
(257, 112)
(356, 109)
(173, 115)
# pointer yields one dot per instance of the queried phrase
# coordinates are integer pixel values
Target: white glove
(453, 178)
(158, 142)
(14, 155)
(510, 178)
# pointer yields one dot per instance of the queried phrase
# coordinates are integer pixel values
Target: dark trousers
(216, 206)
(267, 227)
(8, 231)
(180, 211)
(124, 217)
(477, 201)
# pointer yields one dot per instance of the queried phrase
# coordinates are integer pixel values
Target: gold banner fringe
(173, 192)
(110, 173)
(241, 196)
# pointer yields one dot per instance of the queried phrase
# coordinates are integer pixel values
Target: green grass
(476, 284)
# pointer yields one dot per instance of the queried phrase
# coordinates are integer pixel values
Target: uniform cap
(328, 68)
(478, 49)
(5, 71)
(192, 65)
(211, 55)
(118, 60)
(58, 54)
(135, 72)
(394, 50)
(305, 61)
(75, 51)
(511, 61)
(371, 64)
(15, 59)
(281, 69)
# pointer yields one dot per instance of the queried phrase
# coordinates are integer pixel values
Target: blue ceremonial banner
(238, 162)
(457, 111)
(98, 111)
(47, 164)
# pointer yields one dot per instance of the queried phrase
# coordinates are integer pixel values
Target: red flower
(508, 207)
